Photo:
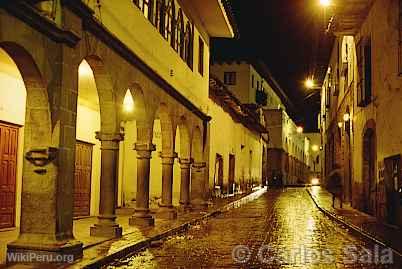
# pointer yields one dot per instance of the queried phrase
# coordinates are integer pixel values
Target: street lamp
(346, 117)
(309, 83)
(299, 129)
(325, 3)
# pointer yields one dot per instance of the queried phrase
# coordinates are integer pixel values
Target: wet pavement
(281, 229)
(388, 234)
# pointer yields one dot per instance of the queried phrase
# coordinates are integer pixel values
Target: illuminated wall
(88, 123)
(137, 32)
(12, 111)
(229, 137)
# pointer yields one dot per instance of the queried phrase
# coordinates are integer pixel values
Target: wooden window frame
(179, 42)
(364, 66)
(229, 78)
(201, 56)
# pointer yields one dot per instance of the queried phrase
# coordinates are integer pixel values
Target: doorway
(369, 186)
(82, 179)
(232, 169)
(8, 171)
(219, 170)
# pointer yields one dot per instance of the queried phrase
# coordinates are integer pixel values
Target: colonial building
(288, 150)
(105, 104)
(360, 99)
(238, 148)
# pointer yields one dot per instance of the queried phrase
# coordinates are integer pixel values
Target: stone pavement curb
(145, 243)
(353, 227)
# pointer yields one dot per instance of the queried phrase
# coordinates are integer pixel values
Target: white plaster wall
(227, 138)
(128, 165)
(243, 79)
(155, 186)
(137, 32)
(88, 122)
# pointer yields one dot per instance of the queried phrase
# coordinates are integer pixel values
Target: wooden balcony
(349, 16)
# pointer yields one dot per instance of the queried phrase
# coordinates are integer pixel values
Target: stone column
(107, 226)
(185, 166)
(142, 216)
(198, 185)
(167, 210)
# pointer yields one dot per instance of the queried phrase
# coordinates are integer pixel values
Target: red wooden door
(82, 179)
(8, 171)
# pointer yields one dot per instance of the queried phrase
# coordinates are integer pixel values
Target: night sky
(289, 37)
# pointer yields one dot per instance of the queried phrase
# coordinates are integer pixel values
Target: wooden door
(231, 173)
(82, 179)
(8, 171)
(219, 160)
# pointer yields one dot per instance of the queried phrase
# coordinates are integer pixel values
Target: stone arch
(185, 141)
(104, 87)
(143, 115)
(196, 145)
(369, 159)
(37, 135)
(38, 116)
(168, 130)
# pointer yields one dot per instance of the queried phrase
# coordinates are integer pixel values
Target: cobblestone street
(281, 229)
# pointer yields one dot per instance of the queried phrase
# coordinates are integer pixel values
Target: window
(252, 81)
(188, 47)
(364, 90)
(258, 85)
(200, 56)
(179, 46)
(229, 78)
(146, 6)
(169, 23)
(162, 14)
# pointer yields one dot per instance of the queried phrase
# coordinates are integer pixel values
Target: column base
(199, 204)
(185, 207)
(167, 213)
(101, 230)
(33, 248)
(141, 218)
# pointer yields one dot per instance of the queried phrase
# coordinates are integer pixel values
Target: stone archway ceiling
(348, 16)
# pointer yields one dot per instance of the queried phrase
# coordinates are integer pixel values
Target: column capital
(185, 163)
(144, 150)
(109, 141)
(168, 158)
(199, 164)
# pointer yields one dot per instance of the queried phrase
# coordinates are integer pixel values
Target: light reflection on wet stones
(284, 221)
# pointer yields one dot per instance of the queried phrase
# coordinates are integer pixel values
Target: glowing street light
(346, 117)
(315, 181)
(309, 83)
(325, 3)
(299, 129)
(128, 102)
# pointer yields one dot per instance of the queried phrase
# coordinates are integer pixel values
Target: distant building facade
(288, 151)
